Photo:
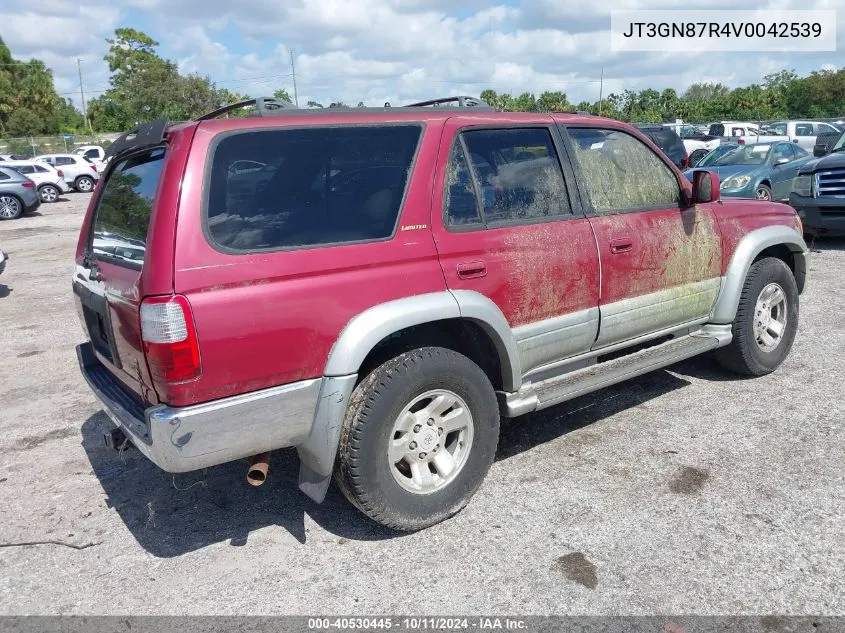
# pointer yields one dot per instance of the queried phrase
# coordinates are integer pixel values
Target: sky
(390, 50)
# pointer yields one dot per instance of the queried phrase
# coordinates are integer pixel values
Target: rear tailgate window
(297, 188)
(123, 213)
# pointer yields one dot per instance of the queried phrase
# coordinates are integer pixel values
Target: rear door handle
(472, 270)
(621, 245)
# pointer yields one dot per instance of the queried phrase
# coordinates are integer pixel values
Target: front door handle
(472, 270)
(621, 245)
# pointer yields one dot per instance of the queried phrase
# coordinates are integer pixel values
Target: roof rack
(460, 101)
(147, 134)
(264, 106)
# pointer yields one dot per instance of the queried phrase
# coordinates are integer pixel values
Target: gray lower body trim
(554, 339)
(317, 454)
(181, 439)
(630, 318)
(590, 376)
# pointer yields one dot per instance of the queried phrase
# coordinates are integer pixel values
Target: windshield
(738, 155)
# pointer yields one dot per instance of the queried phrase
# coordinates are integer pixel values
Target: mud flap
(317, 453)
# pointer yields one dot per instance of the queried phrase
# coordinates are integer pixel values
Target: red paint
(271, 318)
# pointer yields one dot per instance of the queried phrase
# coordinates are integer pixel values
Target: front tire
(48, 193)
(84, 184)
(766, 320)
(763, 192)
(11, 207)
(419, 436)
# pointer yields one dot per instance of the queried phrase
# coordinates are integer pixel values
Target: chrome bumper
(182, 439)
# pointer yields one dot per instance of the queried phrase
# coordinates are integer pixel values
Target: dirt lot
(685, 491)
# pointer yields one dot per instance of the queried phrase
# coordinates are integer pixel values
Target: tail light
(740, 141)
(28, 184)
(61, 173)
(93, 168)
(170, 339)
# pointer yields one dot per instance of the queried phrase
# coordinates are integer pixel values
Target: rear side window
(123, 212)
(25, 169)
(276, 189)
(621, 173)
(518, 175)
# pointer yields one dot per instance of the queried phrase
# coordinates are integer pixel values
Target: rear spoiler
(144, 135)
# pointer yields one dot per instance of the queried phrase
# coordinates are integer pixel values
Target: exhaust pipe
(258, 467)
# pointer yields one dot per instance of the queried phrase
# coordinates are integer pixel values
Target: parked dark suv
(669, 142)
(377, 286)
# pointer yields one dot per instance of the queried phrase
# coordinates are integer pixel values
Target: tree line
(144, 86)
(781, 95)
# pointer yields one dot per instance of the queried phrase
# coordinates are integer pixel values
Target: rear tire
(766, 320)
(48, 193)
(11, 207)
(419, 436)
(84, 184)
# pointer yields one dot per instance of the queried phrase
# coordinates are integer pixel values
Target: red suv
(377, 286)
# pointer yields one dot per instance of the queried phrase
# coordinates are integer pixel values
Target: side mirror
(705, 186)
(781, 161)
(819, 150)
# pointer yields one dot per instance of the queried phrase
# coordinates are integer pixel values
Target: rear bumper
(32, 205)
(820, 215)
(188, 438)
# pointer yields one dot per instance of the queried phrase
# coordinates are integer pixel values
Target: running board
(552, 391)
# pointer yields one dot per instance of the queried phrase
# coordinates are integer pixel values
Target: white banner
(771, 30)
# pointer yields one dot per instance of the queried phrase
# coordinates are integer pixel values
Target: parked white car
(80, 173)
(95, 153)
(50, 181)
(803, 133)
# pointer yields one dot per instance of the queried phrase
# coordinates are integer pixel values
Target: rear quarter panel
(266, 319)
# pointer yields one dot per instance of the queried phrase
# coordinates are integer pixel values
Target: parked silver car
(49, 180)
(18, 194)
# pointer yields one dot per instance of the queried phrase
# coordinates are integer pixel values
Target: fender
(370, 327)
(357, 340)
(749, 247)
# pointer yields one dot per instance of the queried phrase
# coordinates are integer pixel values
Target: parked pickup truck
(802, 133)
(699, 145)
(818, 192)
(405, 277)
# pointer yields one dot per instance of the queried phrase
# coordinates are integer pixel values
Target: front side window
(124, 208)
(621, 173)
(295, 188)
(783, 150)
(518, 173)
(804, 129)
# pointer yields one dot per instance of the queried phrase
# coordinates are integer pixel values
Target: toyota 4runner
(378, 286)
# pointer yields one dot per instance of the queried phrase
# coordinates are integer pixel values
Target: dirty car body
(261, 311)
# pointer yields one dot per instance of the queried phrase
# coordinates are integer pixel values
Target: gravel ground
(684, 491)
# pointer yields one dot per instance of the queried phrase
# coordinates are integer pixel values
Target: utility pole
(293, 70)
(601, 86)
(82, 96)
